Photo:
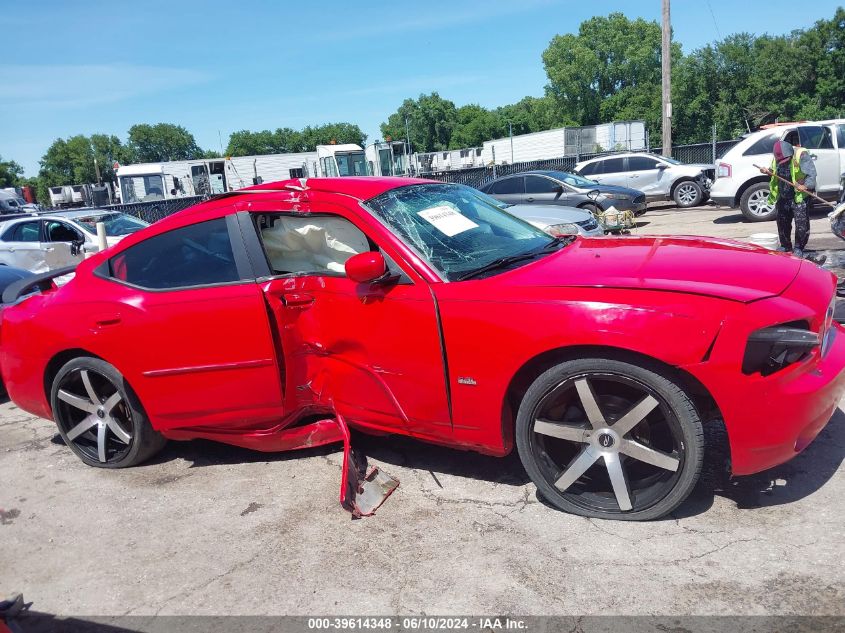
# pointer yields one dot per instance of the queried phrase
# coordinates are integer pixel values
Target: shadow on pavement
(787, 483)
(796, 479)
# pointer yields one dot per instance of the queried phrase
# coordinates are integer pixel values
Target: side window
(815, 137)
(591, 168)
(23, 232)
(614, 166)
(60, 232)
(765, 145)
(641, 163)
(508, 186)
(196, 255)
(840, 136)
(539, 184)
(315, 244)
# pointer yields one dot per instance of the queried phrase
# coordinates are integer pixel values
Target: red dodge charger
(624, 369)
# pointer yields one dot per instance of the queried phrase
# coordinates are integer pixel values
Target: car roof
(361, 187)
(82, 213)
(623, 155)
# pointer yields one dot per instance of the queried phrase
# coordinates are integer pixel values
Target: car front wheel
(754, 203)
(688, 194)
(99, 416)
(609, 439)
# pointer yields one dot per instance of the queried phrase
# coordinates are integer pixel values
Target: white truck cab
(345, 159)
(739, 182)
(388, 158)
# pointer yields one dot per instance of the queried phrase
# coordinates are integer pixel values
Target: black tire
(750, 203)
(112, 432)
(590, 207)
(687, 193)
(670, 432)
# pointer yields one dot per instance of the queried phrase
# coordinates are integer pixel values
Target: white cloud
(56, 86)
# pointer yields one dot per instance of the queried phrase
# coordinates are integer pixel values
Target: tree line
(608, 71)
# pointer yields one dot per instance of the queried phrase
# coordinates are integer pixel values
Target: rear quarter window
(765, 145)
(196, 255)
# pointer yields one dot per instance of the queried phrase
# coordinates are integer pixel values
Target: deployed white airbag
(317, 244)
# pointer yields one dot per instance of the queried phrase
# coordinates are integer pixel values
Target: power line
(713, 15)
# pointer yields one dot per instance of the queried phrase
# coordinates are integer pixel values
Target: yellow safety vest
(797, 177)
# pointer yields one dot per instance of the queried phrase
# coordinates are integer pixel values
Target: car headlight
(828, 331)
(616, 196)
(773, 348)
(562, 229)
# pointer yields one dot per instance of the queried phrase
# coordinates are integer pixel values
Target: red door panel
(200, 356)
(370, 351)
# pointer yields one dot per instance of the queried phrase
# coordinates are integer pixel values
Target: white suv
(740, 184)
(658, 177)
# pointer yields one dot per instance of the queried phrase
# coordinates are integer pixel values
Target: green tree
(534, 114)
(609, 71)
(431, 121)
(10, 173)
(474, 125)
(285, 140)
(162, 142)
(331, 133)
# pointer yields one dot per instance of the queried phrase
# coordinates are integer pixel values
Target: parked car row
(622, 370)
(42, 242)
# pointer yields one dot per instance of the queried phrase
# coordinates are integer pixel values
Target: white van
(740, 184)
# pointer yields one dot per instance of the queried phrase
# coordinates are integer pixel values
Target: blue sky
(215, 67)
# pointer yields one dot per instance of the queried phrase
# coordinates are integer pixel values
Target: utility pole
(510, 131)
(407, 146)
(666, 71)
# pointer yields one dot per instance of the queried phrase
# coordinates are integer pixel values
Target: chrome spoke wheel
(607, 442)
(92, 414)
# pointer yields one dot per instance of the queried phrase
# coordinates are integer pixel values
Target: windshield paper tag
(446, 220)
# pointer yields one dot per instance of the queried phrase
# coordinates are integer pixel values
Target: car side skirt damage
(362, 491)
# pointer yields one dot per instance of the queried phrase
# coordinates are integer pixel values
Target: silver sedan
(554, 220)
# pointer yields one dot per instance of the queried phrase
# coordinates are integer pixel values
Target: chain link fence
(157, 209)
(477, 176)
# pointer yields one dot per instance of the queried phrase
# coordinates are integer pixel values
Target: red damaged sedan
(624, 369)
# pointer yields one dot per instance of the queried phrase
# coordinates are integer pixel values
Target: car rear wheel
(754, 203)
(609, 439)
(688, 194)
(99, 416)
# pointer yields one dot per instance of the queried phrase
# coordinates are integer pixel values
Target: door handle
(634, 176)
(107, 320)
(297, 300)
(529, 199)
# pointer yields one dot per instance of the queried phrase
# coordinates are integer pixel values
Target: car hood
(548, 214)
(716, 268)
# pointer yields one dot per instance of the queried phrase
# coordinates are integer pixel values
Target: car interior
(314, 244)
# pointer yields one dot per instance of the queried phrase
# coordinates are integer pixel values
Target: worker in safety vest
(795, 165)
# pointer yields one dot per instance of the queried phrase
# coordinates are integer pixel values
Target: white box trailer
(144, 182)
(569, 141)
(525, 147)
